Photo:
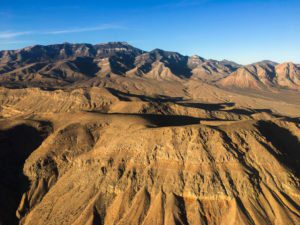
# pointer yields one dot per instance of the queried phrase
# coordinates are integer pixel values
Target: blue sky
(243, 31)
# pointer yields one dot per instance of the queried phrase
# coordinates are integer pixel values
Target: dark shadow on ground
(170, 120)
(225, 107)
(159, 120)
(210, 106)
(16, 144)
(285, 142)
(127, 97)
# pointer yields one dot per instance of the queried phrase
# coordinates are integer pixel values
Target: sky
(243, 31)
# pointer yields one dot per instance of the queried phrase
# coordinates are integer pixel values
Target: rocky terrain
(67, 64)
(111, 134)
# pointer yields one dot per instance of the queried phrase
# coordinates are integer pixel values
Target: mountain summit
(62, 65)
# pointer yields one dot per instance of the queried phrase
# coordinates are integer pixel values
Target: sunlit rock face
(110, 134)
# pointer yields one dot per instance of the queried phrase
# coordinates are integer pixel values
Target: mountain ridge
(60, 65)
(116, 135)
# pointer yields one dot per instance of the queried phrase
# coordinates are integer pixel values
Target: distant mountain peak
(73, 62)
(269, 62)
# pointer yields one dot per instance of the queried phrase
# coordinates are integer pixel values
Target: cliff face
(112, 169)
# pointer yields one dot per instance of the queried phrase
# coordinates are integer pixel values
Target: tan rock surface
(147, 138)
(124, 169)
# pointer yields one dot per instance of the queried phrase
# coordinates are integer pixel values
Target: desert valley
(112, 134)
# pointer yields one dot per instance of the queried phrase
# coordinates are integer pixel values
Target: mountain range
(110, 134)
(66, 64)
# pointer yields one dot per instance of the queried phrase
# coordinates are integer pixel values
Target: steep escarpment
(110, 169)
(18, 139)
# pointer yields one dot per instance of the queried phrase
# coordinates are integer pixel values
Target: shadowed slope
(286, 145)
(16, 144)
